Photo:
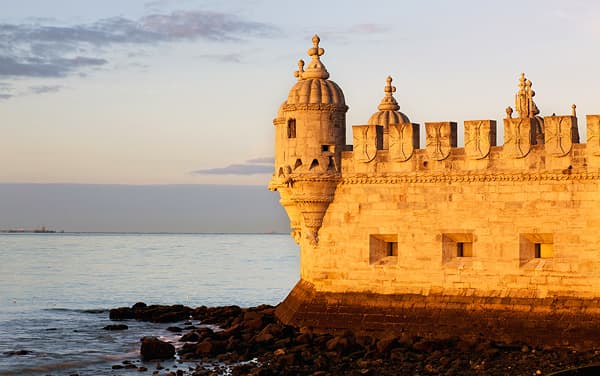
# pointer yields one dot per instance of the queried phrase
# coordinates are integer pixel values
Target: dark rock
(17, 353)
(123, 313)
(153, 348)
(174, 329)
(385, 344)
(211, 347)
(116, 327)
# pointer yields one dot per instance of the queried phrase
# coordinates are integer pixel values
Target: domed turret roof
(313, 86)
(388, 109)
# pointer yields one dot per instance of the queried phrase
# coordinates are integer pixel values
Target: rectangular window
(383, 249)
(535, 246)
(456, 245)
(291, 129)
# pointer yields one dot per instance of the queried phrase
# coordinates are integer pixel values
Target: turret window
(291, 128)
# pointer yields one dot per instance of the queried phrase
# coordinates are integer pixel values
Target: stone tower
(310, 135)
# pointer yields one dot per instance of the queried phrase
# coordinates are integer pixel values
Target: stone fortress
(441, 240)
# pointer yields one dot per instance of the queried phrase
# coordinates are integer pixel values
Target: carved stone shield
(559, 134)
(593, 134)
(404, 139)
(367, 139)
(440, 139)
(480, 136)
(517, 136)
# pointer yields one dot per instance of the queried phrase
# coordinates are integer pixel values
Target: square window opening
(383, 249)
(456, 245)
(535, 246)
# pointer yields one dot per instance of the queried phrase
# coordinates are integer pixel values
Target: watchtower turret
(310, 134)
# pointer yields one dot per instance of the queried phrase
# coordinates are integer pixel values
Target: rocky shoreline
(251, 341)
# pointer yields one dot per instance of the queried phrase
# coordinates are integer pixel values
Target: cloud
(5, 96)
(250, 167)
(45, 89)
(369, 28)
(40, 49)
(237, 169)
(224, 58)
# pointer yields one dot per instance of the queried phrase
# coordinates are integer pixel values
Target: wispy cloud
(45, 89)
(40, 49)
(224, 58)
(366, 30)
(250, 167)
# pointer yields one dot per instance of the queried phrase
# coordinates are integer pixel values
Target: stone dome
(316, 91)
(388, 109)
(313, 86)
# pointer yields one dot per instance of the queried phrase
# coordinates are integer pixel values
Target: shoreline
(252, 341)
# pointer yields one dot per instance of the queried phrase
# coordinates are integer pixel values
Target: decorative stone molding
(470, 178)
(404, 139)
(593, 134)
(367, 140)
(518, 136)
(480, 136)
(440, 139)
(314, 107)
(559, 135)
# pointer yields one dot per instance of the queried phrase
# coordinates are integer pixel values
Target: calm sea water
(56, 289)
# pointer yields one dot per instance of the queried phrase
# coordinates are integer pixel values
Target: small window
(535, 246)
(383, 249)
(392, 248)
(314, 164)
(291, 129)
(324, 147)
(456, 245)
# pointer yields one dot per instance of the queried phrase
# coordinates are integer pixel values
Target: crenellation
(511, 226)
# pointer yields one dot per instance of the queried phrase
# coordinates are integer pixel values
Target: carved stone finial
(300, 70)
(388, 102)
(573, 110)
(315, 68)
(524, 103)
(509, 112)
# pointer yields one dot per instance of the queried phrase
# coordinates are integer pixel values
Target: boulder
(122, 313)
(153, 348)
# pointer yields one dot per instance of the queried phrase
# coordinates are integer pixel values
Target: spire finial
(388, 102)
(300, 70)
(316, 50)
(315, 68)
(524, 103)
(573, 111)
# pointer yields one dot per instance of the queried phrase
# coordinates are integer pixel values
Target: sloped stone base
(545, 322)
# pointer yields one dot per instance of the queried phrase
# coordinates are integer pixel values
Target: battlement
(387, 226)
(527, 147)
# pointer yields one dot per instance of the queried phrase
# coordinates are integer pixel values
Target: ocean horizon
(56, 290)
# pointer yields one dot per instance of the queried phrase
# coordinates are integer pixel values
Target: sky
(184, 91)
(153, 93)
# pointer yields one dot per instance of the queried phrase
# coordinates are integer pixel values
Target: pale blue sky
(147, 92)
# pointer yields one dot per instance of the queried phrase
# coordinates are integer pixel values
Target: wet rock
(122, 313)
(153, 348)
(116, 327)
(174, 329)
(17, 353)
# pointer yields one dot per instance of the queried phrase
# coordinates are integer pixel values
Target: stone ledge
(568, 322)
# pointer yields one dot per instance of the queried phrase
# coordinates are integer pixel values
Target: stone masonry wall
(498, 205)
